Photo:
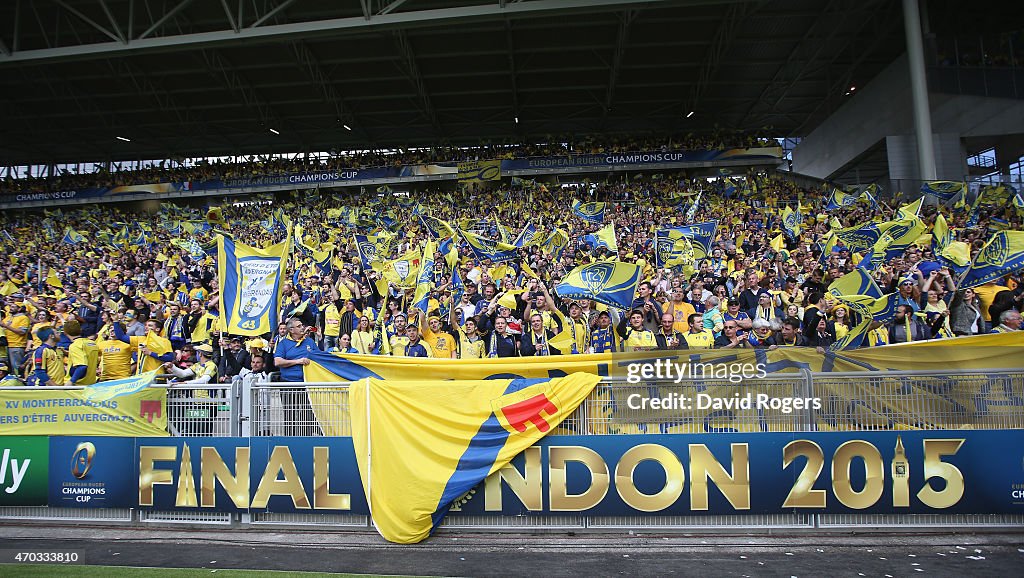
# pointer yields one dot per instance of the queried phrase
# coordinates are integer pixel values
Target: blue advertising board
(89, 472)
(924, 471)
(639, 158)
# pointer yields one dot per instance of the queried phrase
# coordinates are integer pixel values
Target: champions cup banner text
(45, 411)
(346, 176)
(487, 170)
(923, 472)
(764, 154)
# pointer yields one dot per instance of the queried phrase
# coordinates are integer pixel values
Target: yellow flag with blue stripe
(613, 283)
(485, 248)
(592, 212)
(251, 284)
(672, 248)
(791, 223)
(944, 190)
(72, 237)
(422, 445)
(856, 282)
(1002, 254)
(864, 310)
(949, 253)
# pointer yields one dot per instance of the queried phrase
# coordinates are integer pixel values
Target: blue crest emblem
(995, 253)
(369, 250)
(596, 276)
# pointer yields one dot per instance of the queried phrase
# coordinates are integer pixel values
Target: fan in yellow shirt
(83, 356)
(115, 355)
(153, 350)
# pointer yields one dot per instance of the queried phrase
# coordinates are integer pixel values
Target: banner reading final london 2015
(893, 472)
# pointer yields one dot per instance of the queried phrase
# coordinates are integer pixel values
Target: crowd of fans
(100, 310)
(205, 170)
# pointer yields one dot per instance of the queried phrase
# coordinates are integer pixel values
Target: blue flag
(701, 236)
(592, 212)
(612, 282)
(484, 248)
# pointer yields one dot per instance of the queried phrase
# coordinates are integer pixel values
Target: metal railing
(210, 410)
(860, 401)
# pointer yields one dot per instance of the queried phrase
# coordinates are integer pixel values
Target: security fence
(787, 402)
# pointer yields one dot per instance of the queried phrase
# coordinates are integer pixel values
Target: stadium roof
(183, 78)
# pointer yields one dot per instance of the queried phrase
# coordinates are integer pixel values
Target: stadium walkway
(474, 554)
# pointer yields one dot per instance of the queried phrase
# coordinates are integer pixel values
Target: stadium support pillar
(919, 90)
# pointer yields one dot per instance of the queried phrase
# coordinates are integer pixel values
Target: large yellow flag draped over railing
(422, 445)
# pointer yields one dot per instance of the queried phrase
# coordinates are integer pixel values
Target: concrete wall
(882, 109)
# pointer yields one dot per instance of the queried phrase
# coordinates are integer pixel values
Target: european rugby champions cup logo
(81, 459)
(258, 281)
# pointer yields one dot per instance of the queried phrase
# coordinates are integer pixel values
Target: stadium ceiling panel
(212, 77)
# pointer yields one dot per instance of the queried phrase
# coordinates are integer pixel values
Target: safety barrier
(976, 399)
(867, 401)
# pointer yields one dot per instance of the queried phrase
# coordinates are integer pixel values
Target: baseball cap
(205, 348)
(790, 279)
(907, 281)
(257, 343)
(733, 301)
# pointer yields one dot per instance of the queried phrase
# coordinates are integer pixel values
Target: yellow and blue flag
(956, 255)
(691, 213)
(791, 222)
(860, 237)
(839, 199)
(528, 236)
(864, 310)
(869, 194)
(485, 248)
(215, 216)
(437, 228)
(422, 445)
(555, 243)
(72, 237)
(944, 190)
(910, 210)
(592, 212)
(1018, 203)
(898, 235)
(372, 248)
(425, 279)
(402, 271)
(613, 283)
(1002, 254)
(251, 284)
(140, 240)
(856, 282)
(672, 248)
(603, 239)
(701, 236)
